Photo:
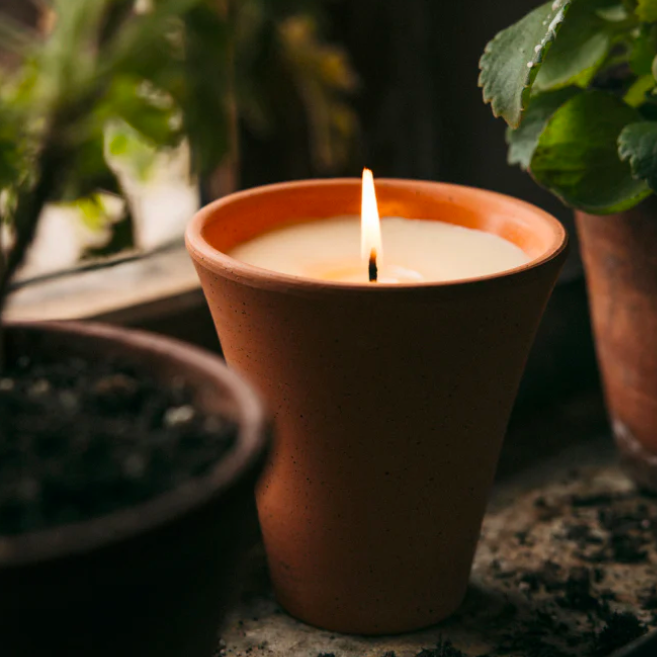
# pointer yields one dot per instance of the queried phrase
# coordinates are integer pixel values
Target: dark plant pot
(620, 260)
(391, 402)
(154, 579)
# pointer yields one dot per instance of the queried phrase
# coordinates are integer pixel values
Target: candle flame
(371, 246)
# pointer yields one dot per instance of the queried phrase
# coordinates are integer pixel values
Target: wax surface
(413, 251)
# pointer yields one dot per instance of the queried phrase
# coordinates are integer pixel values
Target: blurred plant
(100, 63)
(576, 82)
(126, 79)
(297, 57)
(324, 77)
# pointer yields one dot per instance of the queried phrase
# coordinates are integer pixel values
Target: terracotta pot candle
(391, 400)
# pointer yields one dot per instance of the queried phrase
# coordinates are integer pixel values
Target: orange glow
(370, 242)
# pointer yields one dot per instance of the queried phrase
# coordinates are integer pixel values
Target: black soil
(619, 630)
(443, 649)
(580, 600)
(81, 440)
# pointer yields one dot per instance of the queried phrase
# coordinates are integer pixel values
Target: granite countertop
(566, 566)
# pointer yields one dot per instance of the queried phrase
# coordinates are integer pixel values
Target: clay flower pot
(153, 579)
(391, 401)
(620, 259)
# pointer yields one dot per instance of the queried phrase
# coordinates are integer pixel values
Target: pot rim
(237, 465)
(223, 264)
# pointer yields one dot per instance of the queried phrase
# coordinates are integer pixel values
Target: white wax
(413, 250)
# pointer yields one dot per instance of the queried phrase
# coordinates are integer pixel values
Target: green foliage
(587, 173)
(523, 140)
(638, 144)
(512, 59)
(148, 110)
(636, 95)
(596, 150)
(207, 43)
(642, 50)
(583, 44)
(646, 10)
(283, 65)
(125, 145)
(107, 80)
(94, 211)
(11, 161)
(323, 78)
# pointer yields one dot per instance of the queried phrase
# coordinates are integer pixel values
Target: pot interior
(215, 390)
(241, 217)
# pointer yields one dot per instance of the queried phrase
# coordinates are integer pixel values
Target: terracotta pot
(620, 259)
(153, 579)
(391, 402)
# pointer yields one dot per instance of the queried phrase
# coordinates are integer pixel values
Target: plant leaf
(615, 12)
(150, 112)
(643, 48)
(323, 77)
(127, 147)
(9, 163)
(638, 144)
(646, 10)
(584, 42)
(523, 139)
(11, 158)
(205, 102)
(636, 94)
(511, 60)
(577, 155)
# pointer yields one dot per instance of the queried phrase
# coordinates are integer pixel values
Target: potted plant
(127, 461)
(266, 71)
(575, 81)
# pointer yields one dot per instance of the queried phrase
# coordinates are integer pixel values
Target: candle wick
(373, 269)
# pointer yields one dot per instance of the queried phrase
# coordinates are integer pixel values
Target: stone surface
(131, 282)
(564, 547)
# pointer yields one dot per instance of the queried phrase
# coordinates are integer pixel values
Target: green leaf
(614, 13)
(523, 139)
(13, 151)
(93, 211)
(638, 144)
(10, 163)
(643, 49)
(126, 146)
(87, 171)
(636, 94)
(577, 155)
(148, 111)
(67, 58)
(646, 10)
(584, 42)
(205, 103)
(323, 76)
(512, 59)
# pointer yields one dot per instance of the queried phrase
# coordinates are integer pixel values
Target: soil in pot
(82, 439)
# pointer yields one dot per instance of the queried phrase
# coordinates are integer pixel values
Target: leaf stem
(28, 210)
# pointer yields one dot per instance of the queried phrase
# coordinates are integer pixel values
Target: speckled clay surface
(621, 273)
(391, 402)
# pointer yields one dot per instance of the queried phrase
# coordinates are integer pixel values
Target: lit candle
(342, 250)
